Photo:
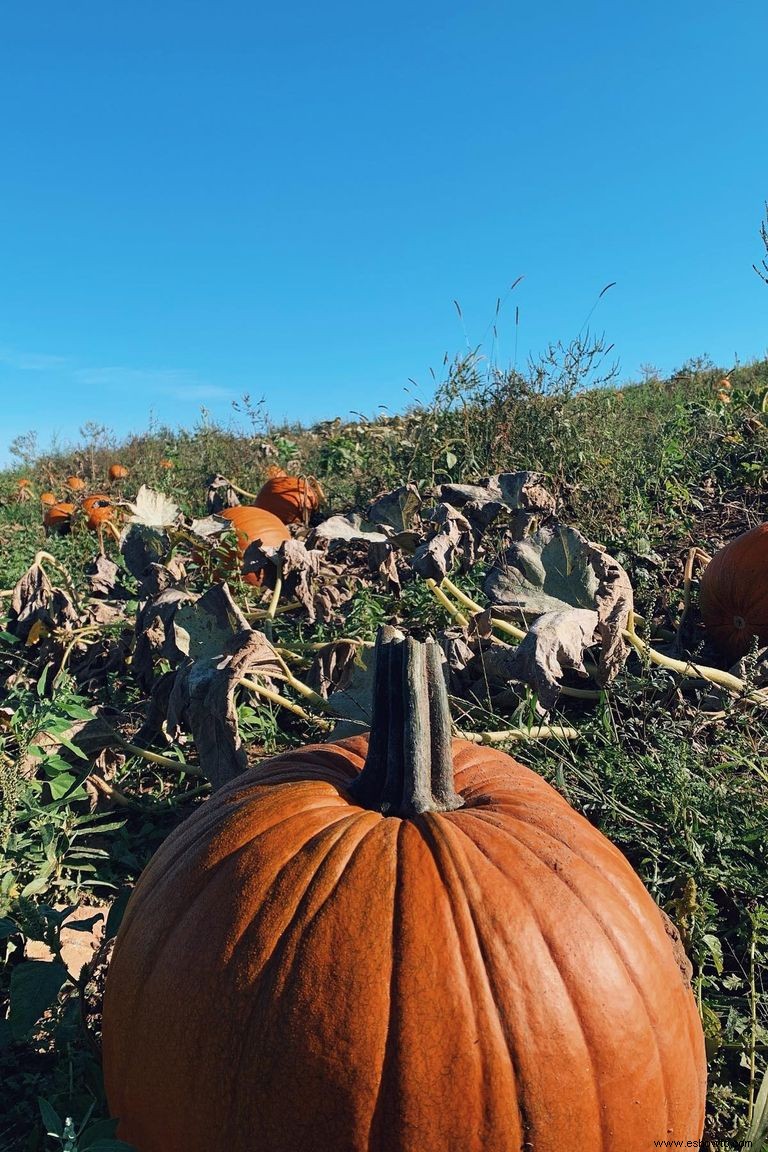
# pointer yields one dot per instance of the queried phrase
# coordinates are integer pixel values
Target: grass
(677, 781)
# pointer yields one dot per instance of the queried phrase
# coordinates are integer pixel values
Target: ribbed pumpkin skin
(289, 498)
(733, 593)
(255, 524)
(295, 973)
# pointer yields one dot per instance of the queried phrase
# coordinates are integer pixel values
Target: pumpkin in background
(98, 510)
(252, 524)
(75, 483)
(47, 499)
(58, 517)
(398, 944)
(118, 472)
(291, 498)
(166, 465)
(733, 593)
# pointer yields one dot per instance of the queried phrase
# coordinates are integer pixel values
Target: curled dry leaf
(398, 509)
(153, 509)
(556, 568)
(556, 641)
(451, 540)
(382, 563)
(103, 575)
(337, 531)
(203, 701)
(220, 494)
(37, 607)
(333, 666)
(156, 637)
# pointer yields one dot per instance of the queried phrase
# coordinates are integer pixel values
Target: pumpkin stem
(409, 766)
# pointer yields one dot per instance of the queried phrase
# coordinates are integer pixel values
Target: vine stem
(684, 668)
(517, 735)
(276, 698)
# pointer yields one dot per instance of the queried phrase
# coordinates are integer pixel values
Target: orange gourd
(316, 961)
(23, 483)
(47, 499)
(166, 465)
(733, 593)
(291, 498)
(98, 510)
(75, 483)
(58, 517)
(252, 524)
(118, 472)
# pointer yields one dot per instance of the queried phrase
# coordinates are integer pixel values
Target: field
(658, 738)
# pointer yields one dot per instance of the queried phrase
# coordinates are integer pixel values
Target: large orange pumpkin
(291, 498)
(252, 524)
(58, 517)
(324, 959)
(733, 593)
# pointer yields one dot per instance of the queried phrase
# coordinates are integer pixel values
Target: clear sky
(202, 198)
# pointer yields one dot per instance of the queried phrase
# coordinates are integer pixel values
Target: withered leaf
(142, 545)
(451, 539)
(337, 531)
(37, 604)
(220, 494)
(203, 701)
(556, 641)
(398, 509)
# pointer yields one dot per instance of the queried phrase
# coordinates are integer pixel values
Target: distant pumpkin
(75, 483)
(98, 509)
(117, 471)
(166, 465)
(58, 518)
(251, 525)
(291, 498)
(733, 593)
(48, 499)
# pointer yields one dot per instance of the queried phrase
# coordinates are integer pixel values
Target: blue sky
(199, 199)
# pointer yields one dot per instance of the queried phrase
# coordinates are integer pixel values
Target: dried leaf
(555, 642)
(451, 540)
(337, 531)
(333, 666)
(37, 607)
(203, 700)
(220, 494)
(398, 510)
(153, 509)
(143, 545)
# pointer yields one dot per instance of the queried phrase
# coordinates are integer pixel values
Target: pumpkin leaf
(556, 569)
(398, 509)
(35, 985)
(451, 541)
(555, 642)
(153, 509)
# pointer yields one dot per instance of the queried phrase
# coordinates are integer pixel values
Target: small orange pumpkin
(166, 465)
(252, 524)
(23, 482)
(58, 517)
(291, 498)
(48, 499)
(733, 593)
(75, 483)
(117, 471)
(98, 510)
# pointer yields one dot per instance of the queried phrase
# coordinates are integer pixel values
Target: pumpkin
(47, 499)
(23, 483)
(98, 510)
(117, 471)
(75, 483)
(397, 943)
(291, 498)
(733, 593)
(58, 517)
(252, 524)
(166, 465)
